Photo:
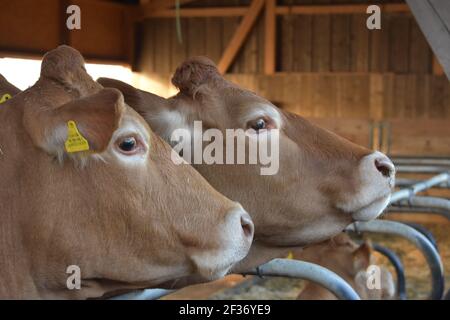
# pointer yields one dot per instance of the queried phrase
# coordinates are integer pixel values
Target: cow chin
(372, 210)
(212, 266)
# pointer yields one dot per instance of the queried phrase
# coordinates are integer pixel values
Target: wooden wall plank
(359, 44)
(340, 43)
(321, 42)
(353, 96)
(303, 44)
(162, 48)
(213, 33)
(399, 44)
(324, 95)
(420, 53)
(270, 37)
(179, 51)
(439, 98)
(286, 47)
(380, 46)
(197, 37)
(146, 61)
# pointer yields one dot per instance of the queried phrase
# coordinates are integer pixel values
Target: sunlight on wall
(155, 84)
(23, 73)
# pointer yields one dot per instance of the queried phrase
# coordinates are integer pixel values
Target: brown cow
(121, 211)
(350, 261)
(323, 184)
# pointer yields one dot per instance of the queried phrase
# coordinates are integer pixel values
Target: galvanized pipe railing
(421, 161)
(425, 202)
(419, 240)
(405, 183)
(400, 209)
(308, 271)
(421, 169)
(149, 294)
(278, 268)
(418, 187)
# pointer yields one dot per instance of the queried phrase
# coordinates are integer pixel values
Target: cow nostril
(385, 167)
(247, 225)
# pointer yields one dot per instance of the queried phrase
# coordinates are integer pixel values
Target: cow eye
(259, 124)
(128, 145)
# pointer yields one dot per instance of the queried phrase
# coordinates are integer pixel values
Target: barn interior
(386, 89)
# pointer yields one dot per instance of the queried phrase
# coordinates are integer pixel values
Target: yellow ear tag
(75, 141)
(5, 97)
(290, 255)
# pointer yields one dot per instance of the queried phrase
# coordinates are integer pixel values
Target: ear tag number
(75, 141)
(5, 98)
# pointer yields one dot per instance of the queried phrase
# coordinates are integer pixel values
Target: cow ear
(145, 103)
(91, 121)
(195, 74)
(7, 88)
(65, 65)
(362, 256)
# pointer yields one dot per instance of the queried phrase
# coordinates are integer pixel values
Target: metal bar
(398, 266)
(404, 183)
(308, 271)
(418, 239)
(423, 185)
(398, 209)
(427, 233)
(425, 202)
(149, 294)
(422, 161)
(421, 169)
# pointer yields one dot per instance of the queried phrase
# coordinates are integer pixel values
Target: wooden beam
(240, 35)
(154, 6)
(279, 10)
(200, 12)
(340, 9)
(270, 37)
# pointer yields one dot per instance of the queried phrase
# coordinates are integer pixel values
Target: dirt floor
(418, 282)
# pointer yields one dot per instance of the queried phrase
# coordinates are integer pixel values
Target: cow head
(323, 182)
(110, 201)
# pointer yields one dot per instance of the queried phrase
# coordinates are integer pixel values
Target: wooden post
(270, 37)
(240, 35)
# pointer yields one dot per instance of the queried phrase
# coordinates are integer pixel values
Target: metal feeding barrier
(330, 280)
(279, 268)
(418, 239)
(307, 271)
(404, 200)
